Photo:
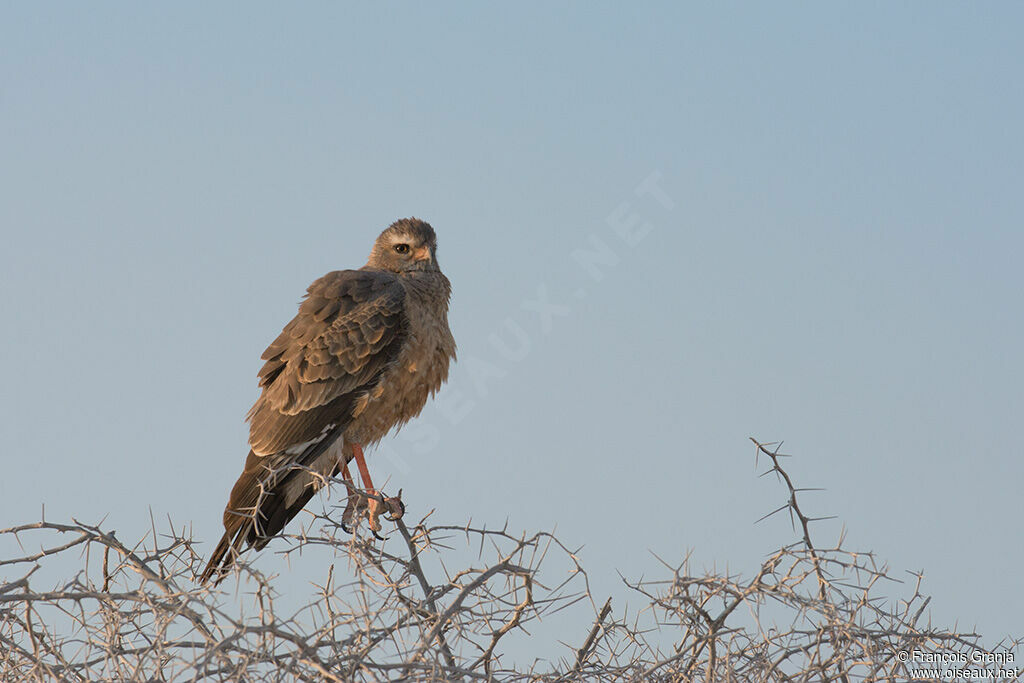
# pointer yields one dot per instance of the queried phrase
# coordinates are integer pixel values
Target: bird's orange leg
(376, 503)
(348, 518)
(364, 472)
(373, 506)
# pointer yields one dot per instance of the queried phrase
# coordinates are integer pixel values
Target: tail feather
(223, 556)
(256, 511)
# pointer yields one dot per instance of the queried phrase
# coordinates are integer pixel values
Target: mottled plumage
(363, 354)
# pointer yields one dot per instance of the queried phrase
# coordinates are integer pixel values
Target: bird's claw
(371, 507)
(350, 517)
(394, 508)
(374, 508)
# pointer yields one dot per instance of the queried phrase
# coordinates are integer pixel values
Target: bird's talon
(394, 508)
(350, 517)
(374, 508)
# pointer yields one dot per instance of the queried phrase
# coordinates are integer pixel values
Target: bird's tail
(223, 556)
(256, 510)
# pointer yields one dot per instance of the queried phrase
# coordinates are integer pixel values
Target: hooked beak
(421, 254)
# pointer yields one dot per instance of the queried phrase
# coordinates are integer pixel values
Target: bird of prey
(363, 354)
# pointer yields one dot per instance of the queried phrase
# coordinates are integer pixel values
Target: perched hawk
(363, 354)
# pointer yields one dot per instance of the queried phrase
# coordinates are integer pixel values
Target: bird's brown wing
(348, 331)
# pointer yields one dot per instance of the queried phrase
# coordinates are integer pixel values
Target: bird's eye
(402, 248)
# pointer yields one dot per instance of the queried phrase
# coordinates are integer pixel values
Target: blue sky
(832, 258)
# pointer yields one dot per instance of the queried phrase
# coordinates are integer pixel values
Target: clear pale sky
(828, 251)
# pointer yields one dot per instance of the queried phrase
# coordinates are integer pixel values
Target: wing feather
(348, 330)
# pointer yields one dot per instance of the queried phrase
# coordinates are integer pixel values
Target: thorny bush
(135, 613)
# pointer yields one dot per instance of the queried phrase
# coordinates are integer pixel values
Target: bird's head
(408, 245)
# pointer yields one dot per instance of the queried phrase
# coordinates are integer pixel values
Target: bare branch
(424, 611)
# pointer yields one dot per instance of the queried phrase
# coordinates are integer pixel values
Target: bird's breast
(419, 370)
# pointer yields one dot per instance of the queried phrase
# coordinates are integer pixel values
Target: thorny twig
(425, 612)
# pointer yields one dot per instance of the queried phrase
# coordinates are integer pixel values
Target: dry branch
(809, 612)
